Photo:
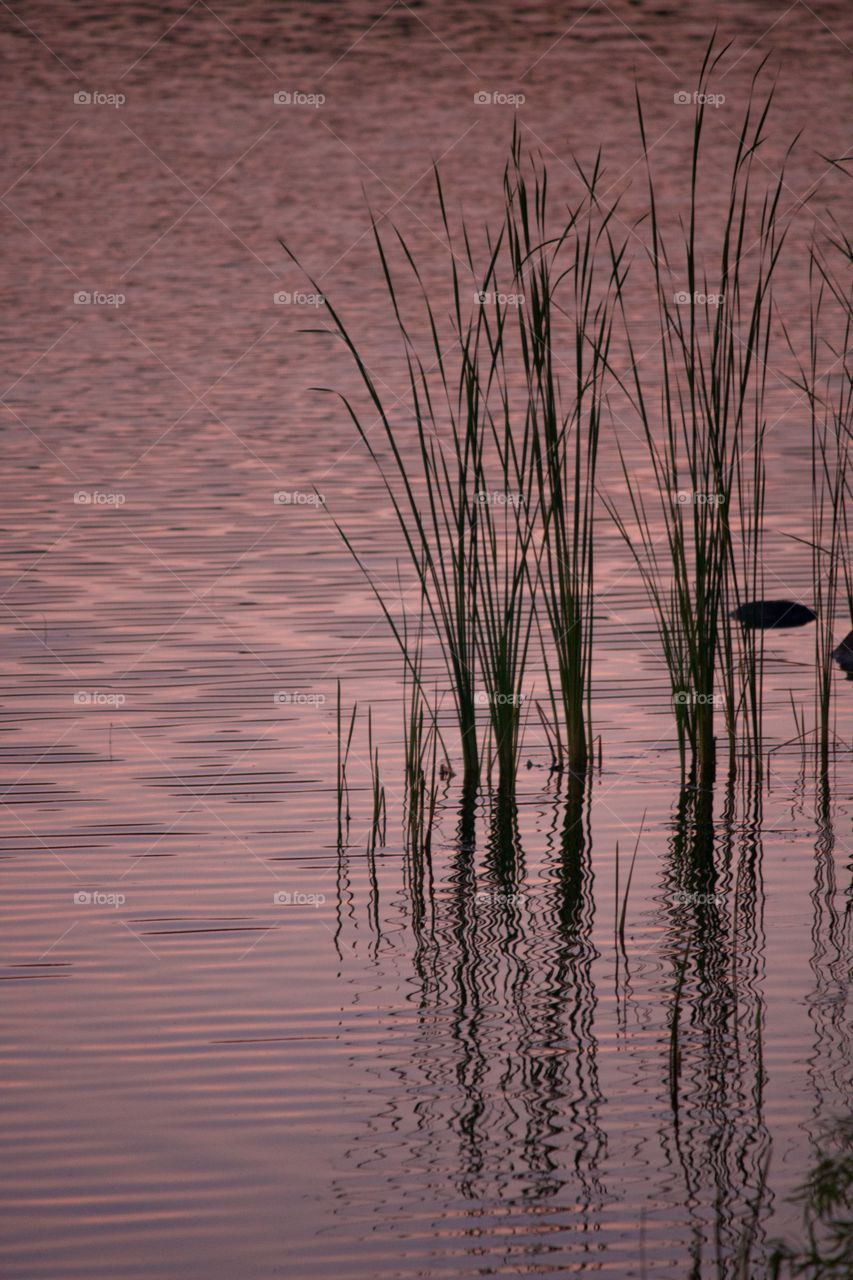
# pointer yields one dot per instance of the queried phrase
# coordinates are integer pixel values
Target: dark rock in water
(843, 655)
(763, 614)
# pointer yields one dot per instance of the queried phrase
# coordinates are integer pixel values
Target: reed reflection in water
(496, 1111)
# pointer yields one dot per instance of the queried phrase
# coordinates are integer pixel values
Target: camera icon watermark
(297, 498)
(698, 899)
(487, 298)
(84, 98)
(500, 898)
(284, 299)
(687, 698)
(686, 497)
(492, 98)
(293, 98)
(95, 898)
(498, 498)
(294, 698)
(95, 498)
(287, 898)
(684, 99)
(684, 299)
(482, 698)
(98, 698)
(89, 298)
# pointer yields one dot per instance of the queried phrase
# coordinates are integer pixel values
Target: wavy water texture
(230, 1047)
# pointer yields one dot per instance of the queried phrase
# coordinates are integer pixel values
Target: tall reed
(565, 428)
(472, 572)
(421, 739)
(379, 809)
(706, 438)
(496, 502)
(343, 761)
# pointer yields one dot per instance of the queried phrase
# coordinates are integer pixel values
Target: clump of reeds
(565, 425)
(506, 394)
(471, 581)
(497, 506)
(705, 438)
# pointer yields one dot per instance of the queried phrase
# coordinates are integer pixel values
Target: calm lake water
(367, 1077)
